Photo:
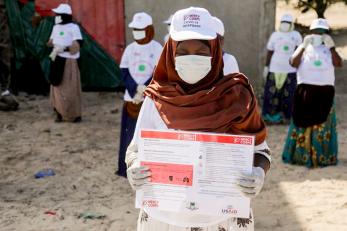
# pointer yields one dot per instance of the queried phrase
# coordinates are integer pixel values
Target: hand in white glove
(140, 89)
(251, 184)
(138, 175)
(328, 41)
(138, 98)
(5, 93)
(265, 72)
(307, 40)
(56, 50)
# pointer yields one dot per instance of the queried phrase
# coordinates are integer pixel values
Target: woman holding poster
(189, 92)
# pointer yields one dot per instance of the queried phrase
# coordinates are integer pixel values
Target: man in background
(7, 101)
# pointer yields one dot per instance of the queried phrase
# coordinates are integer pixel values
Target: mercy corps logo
(150, 203)
(191, 20)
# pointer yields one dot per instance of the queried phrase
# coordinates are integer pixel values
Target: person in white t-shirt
(137, 64)
(279, 75)
(312, 135)
(168, 23)
(66, 39)
(190, 92)
(230, 62)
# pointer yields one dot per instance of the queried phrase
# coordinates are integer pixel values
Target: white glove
(140, 89)
(56, 50)
(138, 98)
(328, 41)
(5, 93)
(265, 72)
(307, 41)
(251, 185)
(138, 175)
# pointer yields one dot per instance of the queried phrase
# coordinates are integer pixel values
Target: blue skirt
(277, 105)
(128, 125)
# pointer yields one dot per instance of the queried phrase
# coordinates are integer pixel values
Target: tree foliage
(319, 6)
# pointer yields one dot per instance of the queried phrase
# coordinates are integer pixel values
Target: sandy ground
(84, 158)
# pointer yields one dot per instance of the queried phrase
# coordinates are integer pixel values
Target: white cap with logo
(287, 18)
(319, 23)
(219, 26)
(192, 23)
(141, 20)
(63, 9)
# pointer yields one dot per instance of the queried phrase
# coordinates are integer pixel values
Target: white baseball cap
(141, 20)
(219, 26)
(319, 23)
(287, 18)
(63, 9)
(192, 23)
(168, 21)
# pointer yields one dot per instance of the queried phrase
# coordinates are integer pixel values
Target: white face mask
(285, 27)
(192, 68)
(57, 19)
(317, 40)
(139, 34)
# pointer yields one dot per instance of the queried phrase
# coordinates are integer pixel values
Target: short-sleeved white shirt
(64, 35)
(316, 67)
(140, 60)
(283, 45)
(230, 64)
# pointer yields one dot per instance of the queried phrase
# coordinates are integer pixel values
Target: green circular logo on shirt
(318, 63)
(61, 33)
(142, 67)
(286, 48)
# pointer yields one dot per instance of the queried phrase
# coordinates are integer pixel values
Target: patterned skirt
(314, 146)
(147, 223)
(277, 105)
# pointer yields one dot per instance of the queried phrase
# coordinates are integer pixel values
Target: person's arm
(262, 156)
(337, 60)
(138, 175)
(268, 57)
(148, 81)
(295, 60)
(74, 48)
(50, 43)
(261, 161)
(129, 82)
(329, 43)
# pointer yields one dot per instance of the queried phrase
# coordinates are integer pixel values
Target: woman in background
(312, 135)
(65, 80)
(137, 65)
(279, 75)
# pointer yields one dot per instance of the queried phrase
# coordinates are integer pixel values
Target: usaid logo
(229, 210)
(191, 20)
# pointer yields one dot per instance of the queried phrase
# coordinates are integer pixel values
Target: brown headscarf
(217, 103)
(149, 35)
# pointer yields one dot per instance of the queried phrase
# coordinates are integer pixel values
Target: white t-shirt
(64, 35)
(316, 66)
(283, 45)
(140, 60)
(149, 118)
(230, 64)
